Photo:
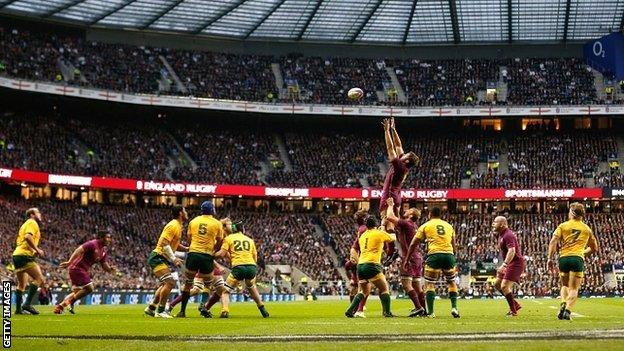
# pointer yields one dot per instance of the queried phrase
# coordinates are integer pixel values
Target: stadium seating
(201, 152)
(35, 55)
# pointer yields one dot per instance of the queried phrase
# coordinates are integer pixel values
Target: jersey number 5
(203, 228)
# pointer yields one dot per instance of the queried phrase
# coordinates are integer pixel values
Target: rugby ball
(355, 93)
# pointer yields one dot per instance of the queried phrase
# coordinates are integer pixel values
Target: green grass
(128, 329)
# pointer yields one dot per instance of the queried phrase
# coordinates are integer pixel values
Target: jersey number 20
(241, 245)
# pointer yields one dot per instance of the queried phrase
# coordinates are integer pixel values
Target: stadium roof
(380, 21)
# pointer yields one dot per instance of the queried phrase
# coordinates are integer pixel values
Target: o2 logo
(598, 49)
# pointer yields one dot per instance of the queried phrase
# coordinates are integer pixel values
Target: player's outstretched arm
(389, 144)
(398, 146)
(74, 256)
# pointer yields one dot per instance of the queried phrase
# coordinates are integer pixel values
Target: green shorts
(157, 261)
(569, 264)
(199, 262)
(244, 272)
(443, 261)
(22, 262)
(366, 271)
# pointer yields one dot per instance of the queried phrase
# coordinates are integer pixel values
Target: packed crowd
(445, 82)
(327, 80)
(202, 152)
(35, 55)
(224, 76)
(222, 155)
(549, 82)
(84, 146)
(329, 159)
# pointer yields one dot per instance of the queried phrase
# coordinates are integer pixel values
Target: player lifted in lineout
(575, 240)
(513, 263)
(79, 265)
(25, 262)
(440, 238)
(243, 256)
(400, 164)
(369, 268)
(160, 259)
(410, 278)
(205, 234)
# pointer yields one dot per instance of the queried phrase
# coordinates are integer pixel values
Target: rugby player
(369, 268)
(242, 253)
(410, 279)
(351, 264)
(160, 258)
(205, 234)
(400, 164)
(513, 263)
(80, 263)
(440, 238)
(25, 262)
(575, 240)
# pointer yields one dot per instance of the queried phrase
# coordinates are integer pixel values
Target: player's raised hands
(177, 262)
(386, 124)
(392, 126)
(390, 202)
(64, 264)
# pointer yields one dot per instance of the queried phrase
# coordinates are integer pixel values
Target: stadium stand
(320, 158)
(36, 55)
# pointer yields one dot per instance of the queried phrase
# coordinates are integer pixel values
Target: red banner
(169, 187)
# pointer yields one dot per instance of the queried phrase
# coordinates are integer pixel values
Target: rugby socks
(32, 291)
(175, 301)
(362, 303)
(214, 298)
(355, 303)
(152, 307)
(385, 302)
(204, 297)
(422, 299)
(453, 297)
(430, 298)
(413, 295)
(185, 298)
(160, 309)
(511, 302)
(18, 300)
